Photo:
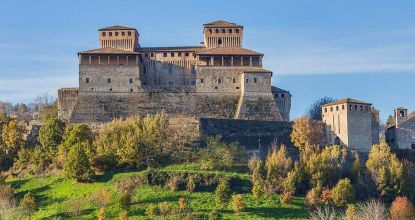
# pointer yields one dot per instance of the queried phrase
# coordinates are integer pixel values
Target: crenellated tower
(121, 37)
(222, 34)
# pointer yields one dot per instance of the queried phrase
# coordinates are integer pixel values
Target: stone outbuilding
(401, 135)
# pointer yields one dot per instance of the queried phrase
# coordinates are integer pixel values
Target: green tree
(278, 164)
(28, 204)
(223, 194)
(77, 165)
(219, 155)
(343, 193)
(48, 111)
(12, 136)
(74, 134)
(50, 136)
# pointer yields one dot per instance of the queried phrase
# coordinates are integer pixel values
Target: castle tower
(401, 114)
(121, 37)
(222, 34)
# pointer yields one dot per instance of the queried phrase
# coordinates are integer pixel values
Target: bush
(401, 208)
(175, 182)
(183, 203)
(104, 163)
(77, 165)
(152, 211)
(128, 184)
(252, 162)
(277, 166)
(238, 204)
(286, 198)
(101, 198)
(313, 198)
(75, 207)
(50, 136)
(214, 215)
(123, 215)
(223, 194)
(325, 197)
(165, 208)
(192, 182)
(343, 193)
(125, 201)
(28, 204)
(351, 212)
(324, 213)
(6, 193)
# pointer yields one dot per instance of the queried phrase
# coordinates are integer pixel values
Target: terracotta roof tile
(107, 50)
(116, 27)
(347, 100)
(221, 23)
(185, 48)
(228, 51)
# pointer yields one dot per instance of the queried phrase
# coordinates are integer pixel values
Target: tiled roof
(107, 50)
(185, 48)
(116, 27)
(255, 70)
(347, 100)
(221, 23)
(228, 51)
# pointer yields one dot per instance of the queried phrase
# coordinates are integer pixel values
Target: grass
(53, 193)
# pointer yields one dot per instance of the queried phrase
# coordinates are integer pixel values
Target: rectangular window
(146, 55)
(129, 33)
(87, 80)
(151, 54)
(202, 81)
(186, 54)
(130, 80)
(179, 54)
(234, 80)
(254, 80)
(164, 54)
(172, 54)
(246, 80)
(193, 69)
(109, 80)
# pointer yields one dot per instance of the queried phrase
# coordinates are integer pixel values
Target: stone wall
(360, 129)
(218, 79)
(67, 98)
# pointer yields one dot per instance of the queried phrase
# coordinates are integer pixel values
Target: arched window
(237, 30)
(220, 41)
(230, 31)
(223, 31)
(401, 114)
(217, 31)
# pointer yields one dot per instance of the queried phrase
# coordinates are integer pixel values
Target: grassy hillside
(54, 192)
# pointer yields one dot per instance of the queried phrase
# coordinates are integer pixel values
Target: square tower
(352, 123)
(222, 34)
(121, 37)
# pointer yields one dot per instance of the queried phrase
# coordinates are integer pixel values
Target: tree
(343, 193)
(77, 165)
(12, 136)
(123, 215)
(387, 171)
(101, 198)
(258, 181)
(74, 134)
(223, 193)
(50, 136)
(306, 132)
(28, 204)
(101, 214)
(389, 122)
(277, 165)
(238, 204)
(401, 208)
(314, 112)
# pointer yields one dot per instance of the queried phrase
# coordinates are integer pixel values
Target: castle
(218, 79)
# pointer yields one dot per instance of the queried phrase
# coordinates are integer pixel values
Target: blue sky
(357, 49)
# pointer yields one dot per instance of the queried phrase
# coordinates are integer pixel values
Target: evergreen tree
(50, 136)
(223, 194)
(343, 193)
(28, 204)
(77, 165)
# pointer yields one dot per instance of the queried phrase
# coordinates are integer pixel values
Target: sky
(358, 49)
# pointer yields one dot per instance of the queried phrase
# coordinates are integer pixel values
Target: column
(222, 58)
(232, 61)
(89, 59)
(250, 61)
(118, 60)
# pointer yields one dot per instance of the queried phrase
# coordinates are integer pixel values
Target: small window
(110, 34)
(223, 31)
(171, 84)
(179, 54)
(255, 80)
(130, 80)
(110, 89)
(164, 54)
(109, 80)
(104, 34)
(193, 69)
(342, 107)
(413, 146)
(337, 108)
(325, 109)
(230, 31)
(401, 114)
(87, 80)
(92, 89)
(234, 80)
(145, 83)
(146, 55)
(361, 108)
(237, 87)
(217, 31)
(276, 95)
(246, 80)
(366, 108)
(219, 80)
(202, 81)
(331, 109)
(123, 33)
(351, 107)
(355, 107)
(186, 54)
(129, 33)
(131, 90)
(116, 33)
(172, 54)
(282, 95)
(237, 30)
(193, 82)
(210, 31)
(151, 54)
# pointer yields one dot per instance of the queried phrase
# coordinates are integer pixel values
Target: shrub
(286, 198)
(343, 193)
(165, 208)
(183, 203)
(214, 215)
(372, 209)
(125, 201)
(50, 136)
(123, 215)
(223, 194)
(101, 214)
(75, 207)
(351, 212)
(152, 210)
(238, 204)
(252, 162)
(313, 198)
(128, 184)
(28, 204)
(174, 183)
(401, 208)
(77, 165)
(104, 163)
(325, 196)
(257, 190)
(191, 183)
(101, 198)
(277, 166)
(6, 193)
(324, 213)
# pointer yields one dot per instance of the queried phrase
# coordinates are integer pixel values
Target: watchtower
(222, 34)
(121, 37)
